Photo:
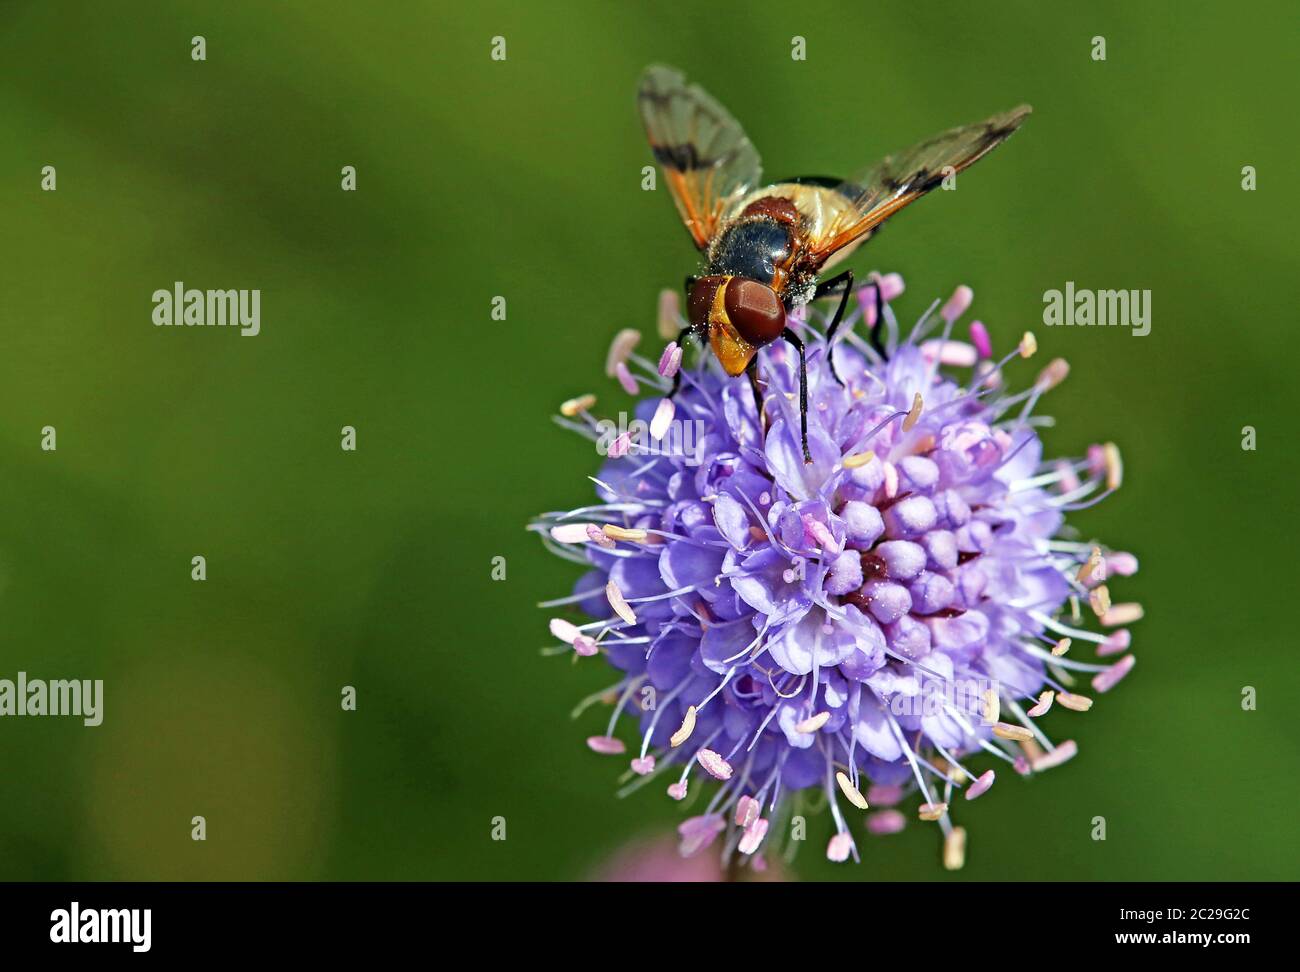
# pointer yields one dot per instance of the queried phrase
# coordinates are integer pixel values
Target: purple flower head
(878, 624)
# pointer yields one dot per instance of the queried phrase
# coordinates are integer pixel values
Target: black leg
(793, 338)
(686, 332)
(752, 370)
(844, 280)
(876, 331)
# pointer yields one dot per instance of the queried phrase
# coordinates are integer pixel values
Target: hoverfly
(765, 246)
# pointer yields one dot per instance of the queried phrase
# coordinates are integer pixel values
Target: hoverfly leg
(751, 369)
(844, 280)
(686, 332)
(793, 338)
(876, 331)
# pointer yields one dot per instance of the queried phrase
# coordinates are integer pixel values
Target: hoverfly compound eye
(699, 302)
(755, 311)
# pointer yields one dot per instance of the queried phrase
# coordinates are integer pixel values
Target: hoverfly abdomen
(753, 247)
(778, 208)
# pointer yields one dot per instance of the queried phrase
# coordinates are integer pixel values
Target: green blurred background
(521, 178)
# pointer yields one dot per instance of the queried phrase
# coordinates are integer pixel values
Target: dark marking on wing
(683, 158)
(877, 192)
(707, 161)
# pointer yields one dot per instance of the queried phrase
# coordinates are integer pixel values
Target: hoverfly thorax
(756, 248)
(739, 315)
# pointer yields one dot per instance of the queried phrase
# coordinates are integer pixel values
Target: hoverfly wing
(871, 196)
(706, 157)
